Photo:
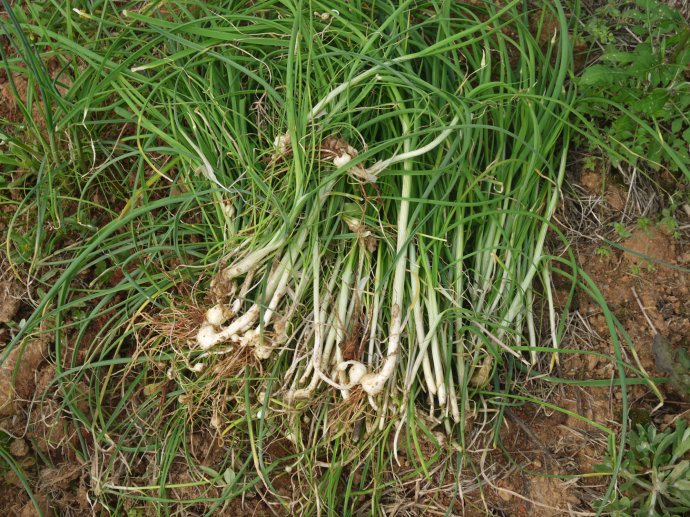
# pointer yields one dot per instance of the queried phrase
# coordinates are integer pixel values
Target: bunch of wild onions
(383, 180)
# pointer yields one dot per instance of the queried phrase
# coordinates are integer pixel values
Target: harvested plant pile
(386, 195)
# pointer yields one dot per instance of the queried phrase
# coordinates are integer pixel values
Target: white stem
(531, 331)
(379, 166)
(373, 383)
(340, 89)
(452, 397)
(323, 319)
(316, 365)
(459, 275)
(321, 357)
(321, 361)
(277, 295)
(423, 352)
(246, 285)
(302, 340)
(384, 409)
(552, 314)
(375, 311)
(339, 360)
(505, 277)
(254, 258)
(434, 316)
(316, 289)
(485, 266)
(537, 255)
(338, 328)
(419, 331)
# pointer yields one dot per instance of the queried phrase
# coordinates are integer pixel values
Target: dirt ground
(648, 295)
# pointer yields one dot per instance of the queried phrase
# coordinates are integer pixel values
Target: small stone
(19, 448)
(536, 464)
(592, 361)
(505, 495)
(12, 479)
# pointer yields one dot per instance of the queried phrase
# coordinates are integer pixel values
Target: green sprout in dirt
(654, 476)
(603, 251)
(622, 231)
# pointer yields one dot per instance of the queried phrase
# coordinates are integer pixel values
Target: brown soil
(632, 285)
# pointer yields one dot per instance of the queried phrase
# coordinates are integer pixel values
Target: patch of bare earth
(646, 285)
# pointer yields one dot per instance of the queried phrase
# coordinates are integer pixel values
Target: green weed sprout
(655, 477)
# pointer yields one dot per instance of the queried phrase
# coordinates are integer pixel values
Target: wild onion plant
(384, 195)
(387, 193)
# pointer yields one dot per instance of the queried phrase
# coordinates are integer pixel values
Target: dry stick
(634, 352)
(656, 333)
(525, 490)
(644, 312)
(529, 432)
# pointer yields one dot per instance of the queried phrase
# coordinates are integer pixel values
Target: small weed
(654, 478)
(644, 223)
(589, 162)
(600, 30)
(603, 251)
(639, 94)
(621, 230)
(669, 225)
(674, 363)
